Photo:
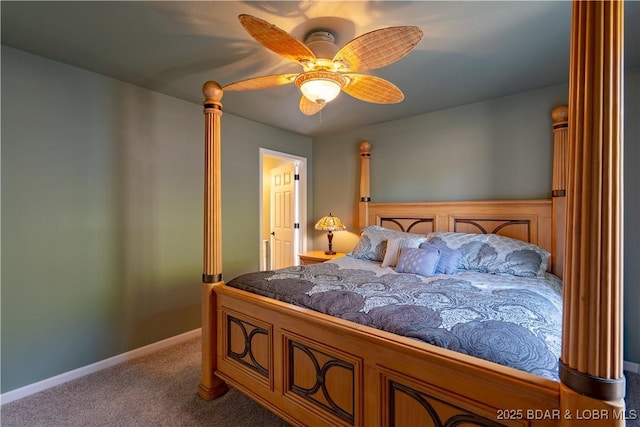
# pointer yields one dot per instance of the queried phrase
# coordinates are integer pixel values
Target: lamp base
(330, 238)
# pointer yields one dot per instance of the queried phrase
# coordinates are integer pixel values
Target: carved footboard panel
(312, 369)
(286, 371)
(322, 378)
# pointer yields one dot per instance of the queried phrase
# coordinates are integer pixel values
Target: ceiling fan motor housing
(322, 44)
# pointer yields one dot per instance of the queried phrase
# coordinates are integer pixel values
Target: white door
(282, 216)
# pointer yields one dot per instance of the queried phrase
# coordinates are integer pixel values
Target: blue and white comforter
(510, 320)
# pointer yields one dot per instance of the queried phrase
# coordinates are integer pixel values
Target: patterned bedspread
(513, 321)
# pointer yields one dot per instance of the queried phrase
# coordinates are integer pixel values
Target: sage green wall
(102, 214)
(496, 149)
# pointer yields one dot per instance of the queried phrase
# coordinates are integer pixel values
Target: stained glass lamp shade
(330, 223)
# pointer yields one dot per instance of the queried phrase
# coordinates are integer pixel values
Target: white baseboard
(631, 367)
(30, 389)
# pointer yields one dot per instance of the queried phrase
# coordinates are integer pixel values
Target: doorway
(283, 208)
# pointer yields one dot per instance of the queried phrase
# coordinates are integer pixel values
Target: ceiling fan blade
(276, 39)
(261, 82)
(309, 108)
(379, 47)
(372, 89)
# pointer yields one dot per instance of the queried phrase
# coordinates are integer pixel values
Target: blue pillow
(372, 245)
(491, 253)
(449, 258)
(418, 261)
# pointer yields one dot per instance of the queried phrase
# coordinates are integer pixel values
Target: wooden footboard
(313, 369)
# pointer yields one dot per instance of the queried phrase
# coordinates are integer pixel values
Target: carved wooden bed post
(211, 386)
(365, 193)
(559, 186)
(591, 361)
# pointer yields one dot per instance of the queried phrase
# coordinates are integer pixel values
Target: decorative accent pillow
(491, 253)
(373, 242)
(396, 244)
(449, 258)
(418, 261)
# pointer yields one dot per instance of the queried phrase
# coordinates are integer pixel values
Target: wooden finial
(560, 114)
(212, 92)
(365, 147)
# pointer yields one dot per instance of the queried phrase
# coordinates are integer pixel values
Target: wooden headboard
(527, 220)
(533, 221)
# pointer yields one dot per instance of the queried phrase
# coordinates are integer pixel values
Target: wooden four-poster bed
(311, 368)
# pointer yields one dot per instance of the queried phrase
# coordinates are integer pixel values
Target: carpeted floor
(157, 390)
(633, 399)
(160, 390)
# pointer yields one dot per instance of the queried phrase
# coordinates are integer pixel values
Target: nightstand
(316, 257)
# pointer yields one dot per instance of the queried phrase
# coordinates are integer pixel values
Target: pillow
(449, 258)
(396, 244)
(418, 261)
(519, 258)
(373, 242)
(491, 253)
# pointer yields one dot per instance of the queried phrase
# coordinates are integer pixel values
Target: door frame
(301, 200)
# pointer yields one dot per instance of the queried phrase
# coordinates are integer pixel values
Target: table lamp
(330, 223)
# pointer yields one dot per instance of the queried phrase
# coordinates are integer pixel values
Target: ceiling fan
(328, 70)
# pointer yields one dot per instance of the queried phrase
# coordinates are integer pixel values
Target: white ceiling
(471, 50)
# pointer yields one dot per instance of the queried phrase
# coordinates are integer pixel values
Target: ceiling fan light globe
(320, 86)
(320, 91)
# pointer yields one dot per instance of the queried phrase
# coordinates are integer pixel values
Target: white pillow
(395, 245)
